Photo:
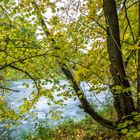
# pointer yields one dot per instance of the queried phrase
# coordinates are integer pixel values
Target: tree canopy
(95, 41)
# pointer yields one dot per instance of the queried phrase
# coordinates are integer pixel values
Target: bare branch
(1, 87)
(99, 24)
(129, 24)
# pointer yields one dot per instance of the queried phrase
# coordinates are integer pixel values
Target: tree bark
(138, 72)
(84, 102)
(123, 102)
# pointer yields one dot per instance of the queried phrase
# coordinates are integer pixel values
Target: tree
(76, 48)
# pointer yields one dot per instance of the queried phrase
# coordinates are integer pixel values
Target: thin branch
(98, 99)
(133, 52)
(68, 60)
(21, 60)
(1, 87)
(6, 14)
(23, 71)
(127, 43)
(124, 35)
(132, 4)
(129, 24)
(129, 57)
(99, 24)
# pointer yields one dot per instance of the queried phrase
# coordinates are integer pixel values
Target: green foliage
(85, 129)
(32, 44)
(130, 128)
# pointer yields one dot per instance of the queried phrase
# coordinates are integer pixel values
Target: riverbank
(53, 114)
(85, 129)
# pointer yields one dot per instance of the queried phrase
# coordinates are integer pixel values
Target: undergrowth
(85, 129)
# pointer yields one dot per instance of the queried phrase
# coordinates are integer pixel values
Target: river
(70, 110)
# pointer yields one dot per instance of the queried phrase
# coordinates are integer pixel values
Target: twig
(14, 67)
(125, 10)
(99, 24)
(9, 89)
(21, 60)
(6, 14)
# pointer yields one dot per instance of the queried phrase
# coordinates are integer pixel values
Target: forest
(69, 69)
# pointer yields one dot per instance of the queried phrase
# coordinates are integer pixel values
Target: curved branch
(86, 105)
(16, 68)
(21, 60)
(132, 4)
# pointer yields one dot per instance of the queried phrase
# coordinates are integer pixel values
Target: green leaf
(124, 131)
(137, 134)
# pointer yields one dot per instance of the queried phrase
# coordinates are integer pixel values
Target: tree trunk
(123, 102)
(138, 73)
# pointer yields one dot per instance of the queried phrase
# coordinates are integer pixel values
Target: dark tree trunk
(123, 102)
(138, 75)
